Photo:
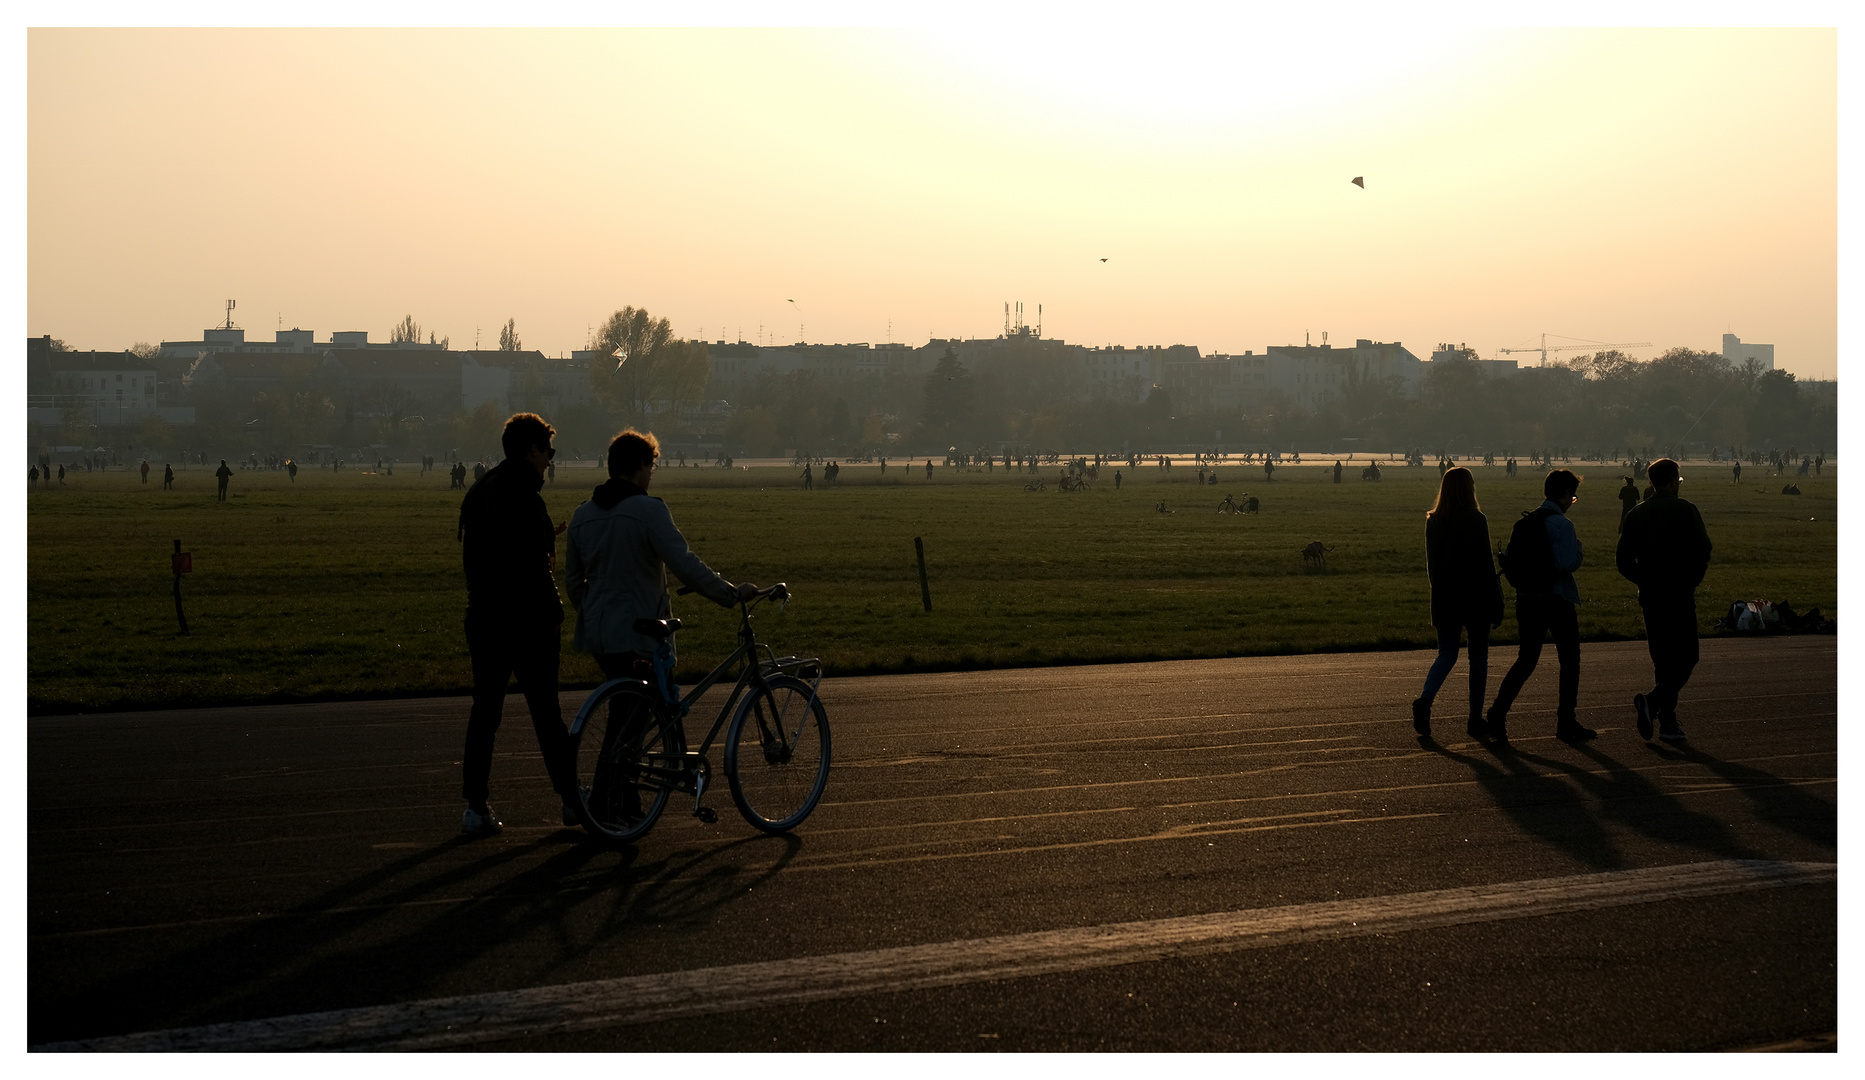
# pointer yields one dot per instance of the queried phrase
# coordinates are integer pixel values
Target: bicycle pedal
(706, 814)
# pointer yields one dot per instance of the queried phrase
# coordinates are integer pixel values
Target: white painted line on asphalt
(440, 1023)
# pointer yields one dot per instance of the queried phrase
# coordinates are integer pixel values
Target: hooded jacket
(621, 544)
(506, 542)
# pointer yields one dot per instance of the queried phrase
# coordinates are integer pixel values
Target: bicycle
(630, 749)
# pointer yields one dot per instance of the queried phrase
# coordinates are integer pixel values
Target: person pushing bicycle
(621, 544)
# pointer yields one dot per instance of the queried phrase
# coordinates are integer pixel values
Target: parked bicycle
(630, 744)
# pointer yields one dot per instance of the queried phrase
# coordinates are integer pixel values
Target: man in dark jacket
(513, 614)
(1664, 550)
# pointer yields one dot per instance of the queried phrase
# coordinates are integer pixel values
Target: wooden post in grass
(919, 549)
(182, 562)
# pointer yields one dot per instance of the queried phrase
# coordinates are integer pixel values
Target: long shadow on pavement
(1542, 805)
(351, 945)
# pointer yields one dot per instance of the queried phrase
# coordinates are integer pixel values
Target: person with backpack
(1665, 550)
(1543, 553)
(1464, 594)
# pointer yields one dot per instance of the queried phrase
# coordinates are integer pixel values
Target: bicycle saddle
(657, 628)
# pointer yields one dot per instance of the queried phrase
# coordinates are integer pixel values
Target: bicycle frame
(689, 769)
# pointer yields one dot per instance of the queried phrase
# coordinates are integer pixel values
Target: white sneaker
(478, 824)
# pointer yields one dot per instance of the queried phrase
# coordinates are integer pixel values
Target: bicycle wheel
(622, 753)
(777, 754)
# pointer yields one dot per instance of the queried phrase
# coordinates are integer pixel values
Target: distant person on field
(1545, 595)
(1116, 479)
(291, 469)
(61, 474)
(1464, 594)
(168, 476)
(223, 474)
(145, 470)
(513, 616)
(1628, 498)
(32, 477)
(1737, 470)
(1337, 471)
(929, 468)
(809, 479)
(1665, 550)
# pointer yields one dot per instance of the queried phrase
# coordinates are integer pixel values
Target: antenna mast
(1039, 320)
(229, 325)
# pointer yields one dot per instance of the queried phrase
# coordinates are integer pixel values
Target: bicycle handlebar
(778, 591)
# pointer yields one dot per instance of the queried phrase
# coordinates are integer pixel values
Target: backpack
(1528, 562)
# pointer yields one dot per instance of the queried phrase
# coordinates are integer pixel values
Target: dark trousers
(1447, 658)
(501, 653)
(1538, 617)
(1671, 636)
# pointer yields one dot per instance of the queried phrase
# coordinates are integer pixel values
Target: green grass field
(349, 584)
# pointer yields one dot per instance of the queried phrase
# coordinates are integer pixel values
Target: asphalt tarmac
(1250, 854)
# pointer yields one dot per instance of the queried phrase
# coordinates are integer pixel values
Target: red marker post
(182, 562)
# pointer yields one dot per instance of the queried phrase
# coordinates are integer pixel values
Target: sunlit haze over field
(1173, 184)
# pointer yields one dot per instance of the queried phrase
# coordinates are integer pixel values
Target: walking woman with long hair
(1465, 595)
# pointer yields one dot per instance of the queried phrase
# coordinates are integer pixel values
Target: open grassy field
(349, 584)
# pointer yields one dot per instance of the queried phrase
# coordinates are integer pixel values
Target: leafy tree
(406, 330)
(639, 342)
(508, 337)
(949, 400)
(58, 345)
(142, 350)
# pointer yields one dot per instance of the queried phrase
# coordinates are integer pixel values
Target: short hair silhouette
(1457, 491)
(1560, 482)
(1662, 472)
(630, 450)
(524, 431)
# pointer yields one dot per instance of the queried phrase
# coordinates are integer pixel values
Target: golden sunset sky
(1661, 185)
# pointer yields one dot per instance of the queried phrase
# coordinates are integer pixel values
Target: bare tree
(508, 337)
(406, 330)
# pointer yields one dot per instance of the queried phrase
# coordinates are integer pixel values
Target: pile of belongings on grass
(1767, 617)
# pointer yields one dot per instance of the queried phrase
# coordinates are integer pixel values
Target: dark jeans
(1671, 635)
(1537, 617)
(499, 654)
(1447, 658)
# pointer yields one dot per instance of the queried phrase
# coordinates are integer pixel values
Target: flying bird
(1103, 260)
(1360, 182)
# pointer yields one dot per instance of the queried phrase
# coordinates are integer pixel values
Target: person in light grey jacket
(621, 544)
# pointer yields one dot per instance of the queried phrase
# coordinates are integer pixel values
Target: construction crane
(1544, 348)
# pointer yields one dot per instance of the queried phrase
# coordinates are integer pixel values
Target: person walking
(222, 474)
(145, 470)
(1337, 472)
(620, 546)
(1665, 550)
(1628, 498)
(291, 469)
(513, 616)
(1543, 554)
(1465, 595)
(1736, 469)
(168, 476)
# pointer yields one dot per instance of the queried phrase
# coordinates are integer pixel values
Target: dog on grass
(1316, 554)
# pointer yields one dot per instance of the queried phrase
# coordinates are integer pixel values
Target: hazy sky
(1614, 185)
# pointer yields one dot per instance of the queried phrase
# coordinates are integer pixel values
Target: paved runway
(1249, 854)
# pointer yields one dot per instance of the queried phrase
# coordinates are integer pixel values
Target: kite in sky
(1360, 182)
